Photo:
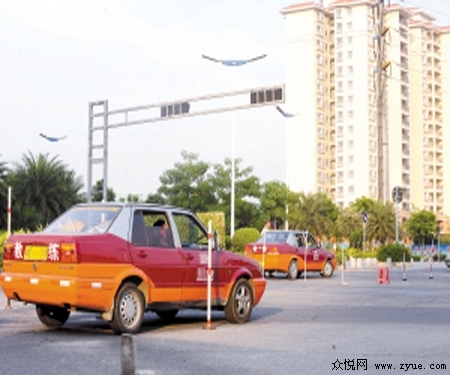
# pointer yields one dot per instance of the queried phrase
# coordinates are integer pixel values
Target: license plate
(33, 252)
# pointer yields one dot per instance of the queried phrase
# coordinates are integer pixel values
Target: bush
(242, 237)
(3, 236)
(393, 251)
(354, 253)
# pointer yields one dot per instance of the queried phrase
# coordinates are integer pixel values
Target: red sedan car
(292, 252)
(122, 260)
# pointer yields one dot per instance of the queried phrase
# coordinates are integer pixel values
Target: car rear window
(84, 219)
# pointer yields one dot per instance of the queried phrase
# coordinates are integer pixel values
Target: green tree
(275, 196)
(421, 225)
(247, 192)
(97, 192)
(348, 223)
(187, 184)
(3, 193)
(316, 213)
(42, 189)
(381, 222)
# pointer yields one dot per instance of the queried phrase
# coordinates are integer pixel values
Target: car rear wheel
(52, 316)
(240, 303)
(167, 315)
(292, 271)
(128, 310)
(327, 270)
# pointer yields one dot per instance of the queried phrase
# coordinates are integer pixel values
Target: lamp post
(286, 115)
(233, 63)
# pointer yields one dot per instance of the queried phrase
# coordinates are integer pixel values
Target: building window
(350, 40)
(350, 69)
(350, 85)
(350, 54)
(349, 25)
(351, 159)
(351, 174)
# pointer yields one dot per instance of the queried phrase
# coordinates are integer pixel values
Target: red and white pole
(209, 279)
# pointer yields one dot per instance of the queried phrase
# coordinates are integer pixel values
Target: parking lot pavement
(305, 326)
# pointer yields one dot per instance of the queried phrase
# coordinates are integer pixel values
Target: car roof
(163, 207)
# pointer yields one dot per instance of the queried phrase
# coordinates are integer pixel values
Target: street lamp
(286, 115)
(233, 63)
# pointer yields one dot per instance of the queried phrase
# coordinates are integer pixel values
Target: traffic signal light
(272, 95)
(175, 109)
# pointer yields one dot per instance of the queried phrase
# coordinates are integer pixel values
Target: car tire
(167, 315)
(52, 316)
(292, 270)
(327, 270)
(240, 302)
(128, 313)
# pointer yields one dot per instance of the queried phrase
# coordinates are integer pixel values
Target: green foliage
(97, 193)
(3, 237)
(187, 185)
(393, 251)
(242, 237)
(217, 222)
(316, 213)
(275, 195)
(354, 253)
(356, 239)
(42, 189)
(420, 225)
(380, 225)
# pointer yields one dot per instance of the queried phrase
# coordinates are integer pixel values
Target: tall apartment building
(331, 82)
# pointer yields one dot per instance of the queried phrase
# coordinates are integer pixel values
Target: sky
(56, 56)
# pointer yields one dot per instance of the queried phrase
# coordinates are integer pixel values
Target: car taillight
(247, 250)
(9, 251)
(69, 252)
(273, 250)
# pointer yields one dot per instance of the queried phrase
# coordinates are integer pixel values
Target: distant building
(331, 71)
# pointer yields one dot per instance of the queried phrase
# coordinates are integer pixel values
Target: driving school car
(122, 260)
(291, 252)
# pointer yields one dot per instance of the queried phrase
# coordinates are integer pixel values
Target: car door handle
(142, 254)
(189, 256)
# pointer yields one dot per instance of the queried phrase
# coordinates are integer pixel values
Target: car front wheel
(240, 303)
(327, 270)
(52, 316)
(128, 310)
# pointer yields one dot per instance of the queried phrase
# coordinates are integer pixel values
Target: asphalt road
(317, 326)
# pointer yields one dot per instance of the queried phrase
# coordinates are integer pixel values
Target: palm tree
(381, 222)
(43, 188)
(315, 213)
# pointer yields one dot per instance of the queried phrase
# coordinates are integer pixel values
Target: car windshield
(86, 219)
(274, 237)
